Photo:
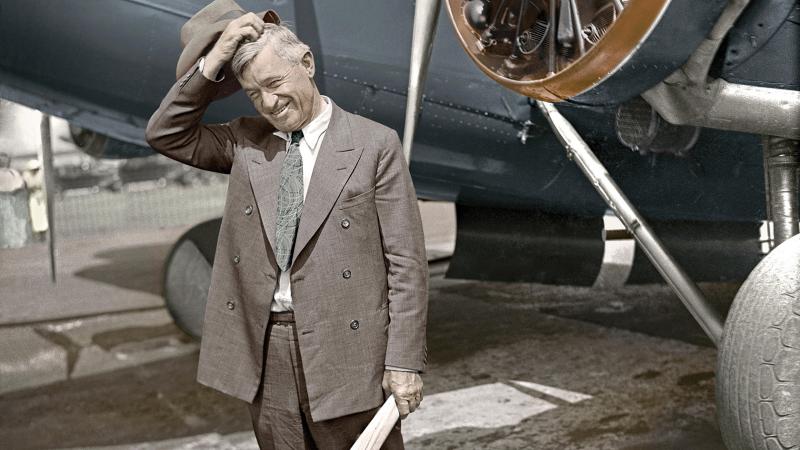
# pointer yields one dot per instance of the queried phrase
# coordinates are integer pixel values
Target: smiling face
(282, 92)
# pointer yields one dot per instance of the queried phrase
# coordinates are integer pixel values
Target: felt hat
(201, 32)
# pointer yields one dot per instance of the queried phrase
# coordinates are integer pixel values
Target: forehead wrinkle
(249, 78)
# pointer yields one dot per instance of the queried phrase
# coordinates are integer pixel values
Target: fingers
(413, 404)
(250, 20)
(402, 407)
(414, 398)
(246, 27)
(247, 33)
(407, 390)
(240, 30)
(254, 23)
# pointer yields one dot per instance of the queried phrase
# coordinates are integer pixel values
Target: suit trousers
(280, 411)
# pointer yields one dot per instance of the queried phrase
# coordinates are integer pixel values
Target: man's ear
(308, 63)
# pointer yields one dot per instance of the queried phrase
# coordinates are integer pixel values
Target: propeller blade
(426, 13)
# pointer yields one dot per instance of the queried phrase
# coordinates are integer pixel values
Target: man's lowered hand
(406, 388)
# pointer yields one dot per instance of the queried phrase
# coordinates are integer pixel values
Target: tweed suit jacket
(359, 269)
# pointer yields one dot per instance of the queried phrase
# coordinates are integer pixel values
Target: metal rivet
(231, 305)
(346, 273)
(354, 325)
(248, 210)
(236, 259)
(345, 223)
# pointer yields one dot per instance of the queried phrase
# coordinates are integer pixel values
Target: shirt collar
(314, 129)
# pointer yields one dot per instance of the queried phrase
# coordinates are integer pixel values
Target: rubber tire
(758, 369)
(187, 276)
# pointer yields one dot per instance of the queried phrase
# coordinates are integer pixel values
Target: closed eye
(274, 84)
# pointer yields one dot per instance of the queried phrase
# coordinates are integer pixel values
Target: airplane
(670, 109)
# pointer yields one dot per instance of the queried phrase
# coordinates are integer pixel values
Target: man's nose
(270, 100)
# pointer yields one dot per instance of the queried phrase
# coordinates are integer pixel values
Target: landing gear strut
(781, 163)
(674, 275)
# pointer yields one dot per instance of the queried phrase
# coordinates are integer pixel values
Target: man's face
(282, 92)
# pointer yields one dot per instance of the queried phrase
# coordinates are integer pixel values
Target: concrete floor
(96, 362)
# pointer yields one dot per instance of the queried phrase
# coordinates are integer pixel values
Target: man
(15, 230)
(318, 296)
(37, 201)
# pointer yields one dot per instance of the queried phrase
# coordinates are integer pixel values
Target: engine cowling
(595, 52)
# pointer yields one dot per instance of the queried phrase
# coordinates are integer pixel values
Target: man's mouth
(281, 110)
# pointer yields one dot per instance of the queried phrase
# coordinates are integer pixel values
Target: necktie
(290, 202)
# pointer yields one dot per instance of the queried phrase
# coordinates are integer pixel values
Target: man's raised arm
(175, 130)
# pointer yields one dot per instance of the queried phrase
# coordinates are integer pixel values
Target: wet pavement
(512, 365)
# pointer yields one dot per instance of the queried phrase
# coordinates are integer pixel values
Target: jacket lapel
(264, 168)
(335, 162)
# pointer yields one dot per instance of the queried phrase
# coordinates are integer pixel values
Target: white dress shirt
(313, 133)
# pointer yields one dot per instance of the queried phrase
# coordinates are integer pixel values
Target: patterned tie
(290, 202)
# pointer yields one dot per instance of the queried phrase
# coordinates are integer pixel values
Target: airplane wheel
(758, 370)
(588, 51)
(188, 275)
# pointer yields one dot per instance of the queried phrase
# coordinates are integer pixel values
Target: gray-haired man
(321, 221)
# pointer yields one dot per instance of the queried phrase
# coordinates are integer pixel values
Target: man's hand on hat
(248, 26)
(406, 387)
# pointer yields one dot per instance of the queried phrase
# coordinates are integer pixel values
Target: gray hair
(284, 43)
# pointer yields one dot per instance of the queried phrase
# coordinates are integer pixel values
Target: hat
(201, 32)
(33, 164)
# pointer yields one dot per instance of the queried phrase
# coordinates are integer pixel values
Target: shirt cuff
(220, 74)
(400, 369)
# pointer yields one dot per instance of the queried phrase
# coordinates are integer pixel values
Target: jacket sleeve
(175, 131)
(404, 253)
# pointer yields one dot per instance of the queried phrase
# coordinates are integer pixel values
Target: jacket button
(345, 223)
(231, 305)
(354, 325)
(236, 259)
(346, 273)
(248, 210)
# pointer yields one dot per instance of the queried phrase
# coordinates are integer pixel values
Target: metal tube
(770, 235)
(46, 157)
(729, 106)
(781, 164)
(753, 109)
(684, 287)
(576, 24)
(551, 39)
(426, 13)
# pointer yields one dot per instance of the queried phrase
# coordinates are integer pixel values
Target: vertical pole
(46, 158)
(781, 164)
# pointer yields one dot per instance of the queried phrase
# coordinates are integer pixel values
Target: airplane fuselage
(111, 75)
